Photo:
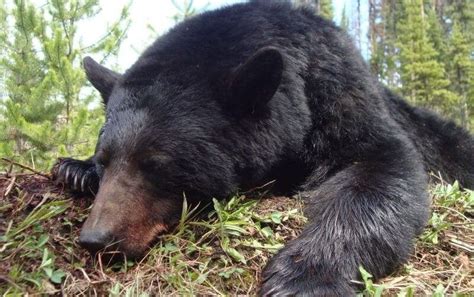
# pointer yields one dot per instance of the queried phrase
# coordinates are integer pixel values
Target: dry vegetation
(222, 254)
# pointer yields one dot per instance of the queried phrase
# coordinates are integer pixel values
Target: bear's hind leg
(365, 215)
(76, 175)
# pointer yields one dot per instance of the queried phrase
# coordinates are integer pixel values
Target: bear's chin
(119, 254)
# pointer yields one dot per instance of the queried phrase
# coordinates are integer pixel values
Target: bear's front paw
(78, 176)
(291, 274)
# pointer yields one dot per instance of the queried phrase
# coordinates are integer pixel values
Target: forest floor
(221, 255)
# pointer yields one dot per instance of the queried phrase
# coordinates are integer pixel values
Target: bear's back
(211, 44)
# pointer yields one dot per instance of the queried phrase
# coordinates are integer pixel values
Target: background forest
(422, 49)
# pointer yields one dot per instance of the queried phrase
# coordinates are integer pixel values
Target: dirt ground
(221, 255)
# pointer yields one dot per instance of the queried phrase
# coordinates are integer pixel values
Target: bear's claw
(78, 176)
(289, 274)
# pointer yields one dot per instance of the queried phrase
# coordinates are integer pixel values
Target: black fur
(101, 78)
(446, 148)
(358, 153)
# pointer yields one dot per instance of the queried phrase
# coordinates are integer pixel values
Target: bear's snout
(96, 240)
(125, 218)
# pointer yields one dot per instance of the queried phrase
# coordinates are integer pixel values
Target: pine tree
(184, 8)
(422, 75)
(3, 32)
(383, 30)
(375, 35)
(462, 12)
(357, 25)
(323, 8)
(461, 70)
(4, 148)
(437, 34)
(326, 9)
(46, 109)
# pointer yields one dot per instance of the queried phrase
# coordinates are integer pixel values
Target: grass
(221, 255)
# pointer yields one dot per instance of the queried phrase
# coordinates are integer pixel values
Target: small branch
(25, 167)
(259, 187)
(10, 186)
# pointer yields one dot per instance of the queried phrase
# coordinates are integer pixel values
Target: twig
(9, 171)
(451, 280)
(462, 245)
(45, 198)
(25, 167)
(10, 186)
(85, 275)
(259, 187)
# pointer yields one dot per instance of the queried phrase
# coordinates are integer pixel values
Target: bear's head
(178, 136)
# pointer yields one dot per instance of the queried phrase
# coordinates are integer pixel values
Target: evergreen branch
(117, 42)
(115, 26)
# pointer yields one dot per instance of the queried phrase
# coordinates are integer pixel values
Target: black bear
(260, 91)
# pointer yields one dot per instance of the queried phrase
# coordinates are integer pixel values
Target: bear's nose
(95, 240)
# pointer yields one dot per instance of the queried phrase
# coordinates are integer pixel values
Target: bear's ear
(255, 82)
(101, 78)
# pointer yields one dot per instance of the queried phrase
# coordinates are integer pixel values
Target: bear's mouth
(132, 247)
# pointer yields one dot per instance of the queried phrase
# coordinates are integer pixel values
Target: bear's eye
(154, 163)
(99, 168)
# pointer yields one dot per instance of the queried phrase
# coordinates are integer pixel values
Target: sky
(159, 15)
